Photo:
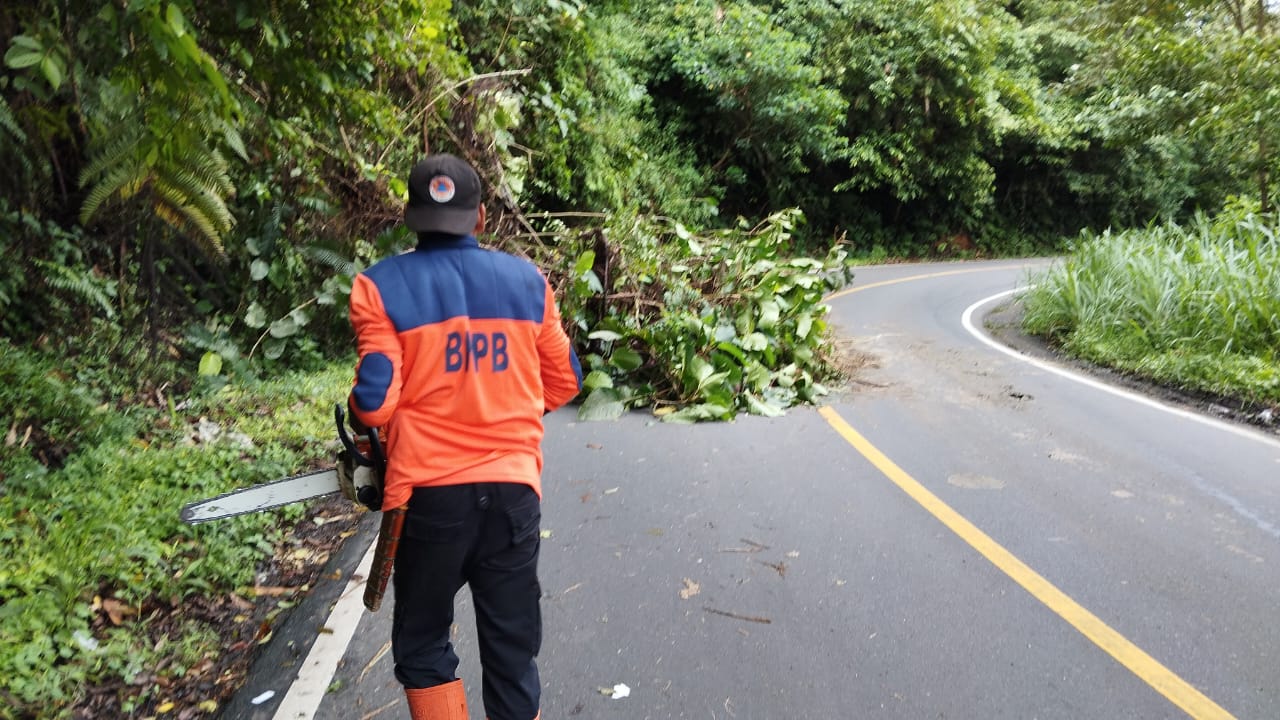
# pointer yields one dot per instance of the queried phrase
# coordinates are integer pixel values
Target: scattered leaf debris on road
(690, 589)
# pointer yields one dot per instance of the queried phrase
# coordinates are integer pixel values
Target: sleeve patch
(373, 379)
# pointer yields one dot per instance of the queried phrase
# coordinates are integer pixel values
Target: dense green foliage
(215, 175)
(712, 324)
(191, 186)
(1179, 115)
(1196, 307)
(187, 181)
(103, 529)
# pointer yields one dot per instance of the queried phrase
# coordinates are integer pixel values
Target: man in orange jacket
(461, 353)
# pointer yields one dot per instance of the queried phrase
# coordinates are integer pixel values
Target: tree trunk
(1238, 11)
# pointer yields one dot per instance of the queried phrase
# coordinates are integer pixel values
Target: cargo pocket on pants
(525, 519)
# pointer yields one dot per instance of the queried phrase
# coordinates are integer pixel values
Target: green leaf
(786, 377)
(696, 370)
(604, 403)
(284, 327)
(28, 42)
(210, 364)
(685, 416)
(725, 333)
(177, 23)
(697, 413)
(18, 57)
(274, 348)
(235, 142)
(757, 406)
(626, 359)
(714, 383)
(734, 350)
(52, 69)
(255, 316)
(259, 269)
(597, 379)
(769, 312)
(584, 263)
(804, 323)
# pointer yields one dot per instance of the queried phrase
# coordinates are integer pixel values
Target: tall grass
(1196, 306)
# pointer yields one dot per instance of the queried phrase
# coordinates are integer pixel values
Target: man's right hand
(357, 427)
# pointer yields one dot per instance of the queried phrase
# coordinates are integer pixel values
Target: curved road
(963, 533)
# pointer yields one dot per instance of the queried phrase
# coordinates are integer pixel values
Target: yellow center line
(895, 281)
(1148, 669)
(1144, 666)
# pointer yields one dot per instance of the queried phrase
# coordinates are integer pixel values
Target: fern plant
(9, 123)
(81, 283)
(184, 179)
(330, 258)
(156, 129)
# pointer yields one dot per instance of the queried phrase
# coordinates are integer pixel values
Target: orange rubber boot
(442, 702)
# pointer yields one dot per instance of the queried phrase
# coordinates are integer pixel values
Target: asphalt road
(960, 534)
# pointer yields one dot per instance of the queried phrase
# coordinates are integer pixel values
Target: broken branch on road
(739, 616)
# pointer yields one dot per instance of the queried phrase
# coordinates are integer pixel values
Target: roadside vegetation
(1193, 306)
(190, 188)
(1188, 297)
(101, 583)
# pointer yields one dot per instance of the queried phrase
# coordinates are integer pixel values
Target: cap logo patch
(441, 188)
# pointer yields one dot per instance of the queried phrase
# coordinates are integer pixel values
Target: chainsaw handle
(376, 459)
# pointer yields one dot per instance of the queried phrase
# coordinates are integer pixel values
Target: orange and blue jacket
(461, 352)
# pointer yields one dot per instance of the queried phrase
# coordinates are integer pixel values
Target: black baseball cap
(444, 196)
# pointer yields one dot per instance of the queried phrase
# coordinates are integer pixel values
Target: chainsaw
(358, 475)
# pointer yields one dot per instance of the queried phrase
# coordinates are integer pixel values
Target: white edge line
(967, 321)
(312, 682)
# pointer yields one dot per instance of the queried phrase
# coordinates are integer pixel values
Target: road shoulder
(1003, 321)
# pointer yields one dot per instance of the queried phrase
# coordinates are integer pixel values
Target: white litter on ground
(85, 640)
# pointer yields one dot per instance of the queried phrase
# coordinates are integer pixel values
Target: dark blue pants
(485, 535)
